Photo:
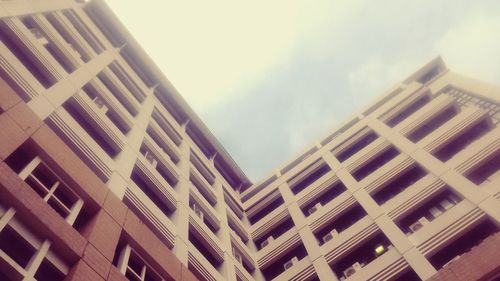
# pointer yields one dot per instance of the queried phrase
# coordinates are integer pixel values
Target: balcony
(202, 167)
(439, 232)
(244, 258)
(202, 236)
(322, 194)
(303, 269)
(267, 239)
(288, 257)
(386, 266)
(203, 186)
(82, 143)
(123, 118)
(354, 144)
(413, 196)
(309, 176)
(341, 223)
(265, 207)
(330, 211)
(461, 141)
(463, 244)
(428, 118)
(164, 141)
(152, 181)
(343, 241)
(278, 215)
(155, 156)
(201, 266)
(375, 162)
(373, 256)
(428, 210)
(97, 117)
(151, 214)
(210, 214)
(405, 109)
(398, 183)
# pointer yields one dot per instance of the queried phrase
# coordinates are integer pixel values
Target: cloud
(473, 47)
(270, 77)
(373, 77)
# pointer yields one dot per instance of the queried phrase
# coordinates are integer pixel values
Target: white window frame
(72, 211)
(123, 267)
(7, 217)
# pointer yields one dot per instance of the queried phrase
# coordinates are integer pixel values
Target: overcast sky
(269, 77)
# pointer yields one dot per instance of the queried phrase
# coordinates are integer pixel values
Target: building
(107, 174)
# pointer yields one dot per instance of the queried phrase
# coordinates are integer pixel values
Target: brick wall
(480, 263)
(89, 250)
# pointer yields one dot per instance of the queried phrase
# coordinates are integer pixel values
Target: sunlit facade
(107, 173)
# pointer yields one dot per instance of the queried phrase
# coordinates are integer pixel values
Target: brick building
(107, 174)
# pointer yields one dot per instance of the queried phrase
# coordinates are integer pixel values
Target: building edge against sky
(106, 172)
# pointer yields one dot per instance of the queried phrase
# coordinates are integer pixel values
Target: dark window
(278, 266)
(309, 179)
(484, 171)
(361, 256)
(343, 222)
(429, 211)
(48, 272)
(90, 129)
(398, 185)
(203, 250)
(360, 144)
(266, 210)
(376, 163)
(398, 118)
(331, 193)
(459, 143)
(15, 246)
(463, 244)
(433, 124)
(28, 60)
(275, 232)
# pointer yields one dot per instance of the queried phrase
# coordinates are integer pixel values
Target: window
(460, 142)
(402, 182)
(364, 137)
(428, 212)
(341, 223)
(324, 197)
(276, 203)
(375, 163)
(26, 57)
(24, 255)
(70, 40)
(45, 41)
(463, 244)
(134, 267)
(361, 256)
(432, 124)
(101, 104)
(53, 191)
(486, 172)
(84, 31)
(99, 135)
(311, 175)
(409, 110)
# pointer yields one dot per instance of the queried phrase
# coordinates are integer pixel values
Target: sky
(269, 77)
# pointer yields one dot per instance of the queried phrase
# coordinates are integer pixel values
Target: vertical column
(181, 216)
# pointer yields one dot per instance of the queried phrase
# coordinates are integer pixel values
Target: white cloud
(213, 50)
(374, 77)
(473, 47)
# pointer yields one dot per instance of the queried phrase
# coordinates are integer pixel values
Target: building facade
(107, 174)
